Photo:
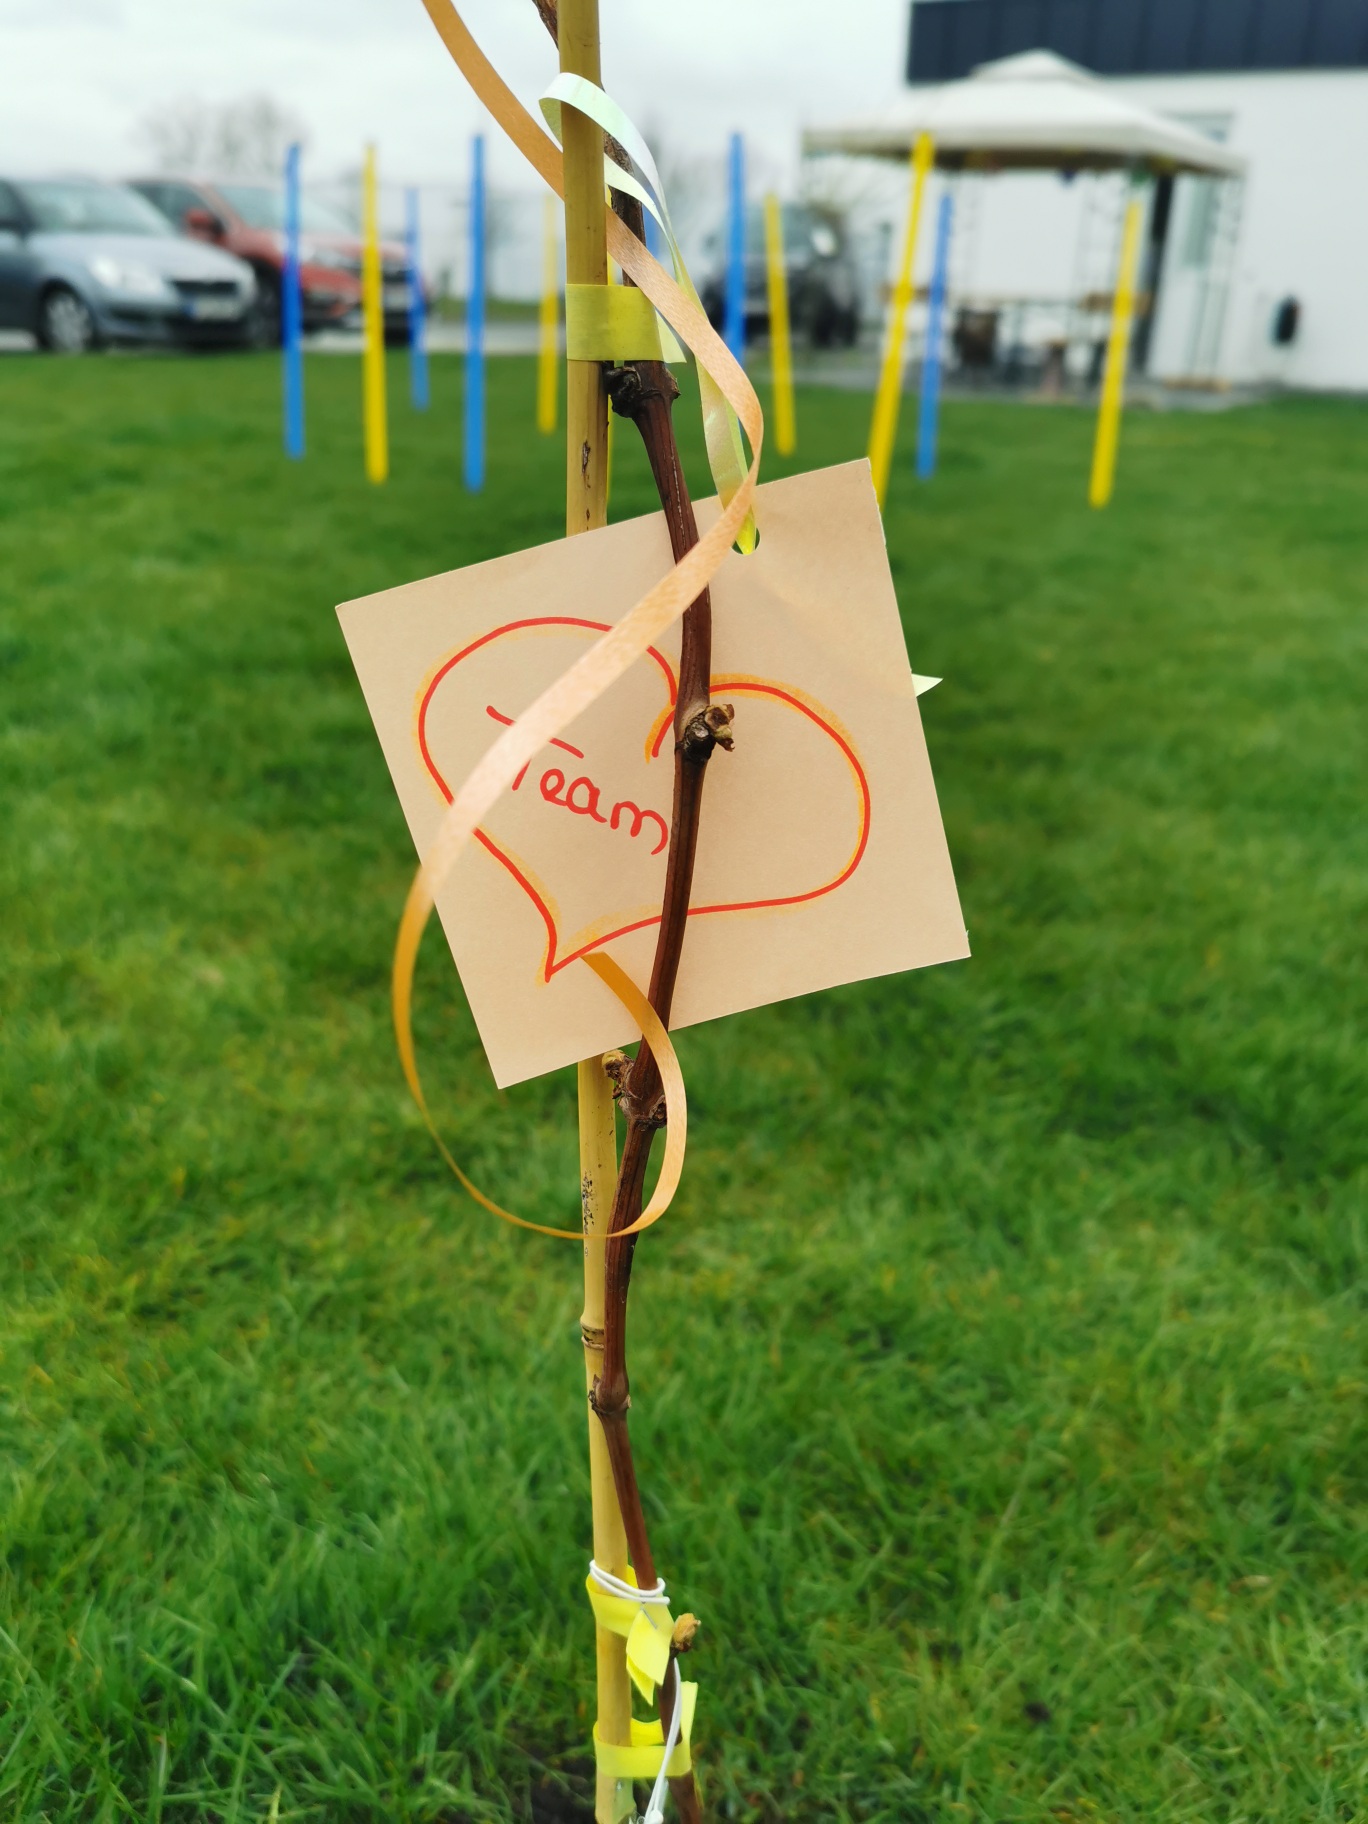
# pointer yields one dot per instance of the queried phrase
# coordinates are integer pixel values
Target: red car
(248, 219)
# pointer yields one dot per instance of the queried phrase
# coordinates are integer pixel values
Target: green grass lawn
(1000, 1373)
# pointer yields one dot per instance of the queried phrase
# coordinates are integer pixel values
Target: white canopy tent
(1035, 111)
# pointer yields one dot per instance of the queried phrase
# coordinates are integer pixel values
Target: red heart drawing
(553, 961)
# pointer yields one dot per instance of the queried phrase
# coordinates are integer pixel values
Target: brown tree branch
(645, 392)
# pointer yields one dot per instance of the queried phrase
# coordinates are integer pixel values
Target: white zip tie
(618, 1586)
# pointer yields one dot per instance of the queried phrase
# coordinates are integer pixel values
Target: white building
(1283, 82)
(1301, 230)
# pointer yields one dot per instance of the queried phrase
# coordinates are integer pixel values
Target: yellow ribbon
(610, 656)
(641, 1010)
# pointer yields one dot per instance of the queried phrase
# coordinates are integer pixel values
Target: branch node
(707, 729)
(645, 1114)
(609, 1403)
(637, 386)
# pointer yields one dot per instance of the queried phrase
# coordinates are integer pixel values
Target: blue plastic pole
(475, 322)
(927, 422)
(292, 315)
(734, 318)
(418, 362)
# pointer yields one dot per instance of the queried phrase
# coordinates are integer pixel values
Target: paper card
(821, 855)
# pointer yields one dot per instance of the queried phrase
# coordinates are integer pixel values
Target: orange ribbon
(606, 660)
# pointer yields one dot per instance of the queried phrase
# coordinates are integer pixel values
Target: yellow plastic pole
(548, 356)
(781, 352)
(884, 428)
(373, 318)
(586, 506)
(1114, 379)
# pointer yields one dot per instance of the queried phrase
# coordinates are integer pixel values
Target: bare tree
(696, 189)
(840, 188)
(243, 138)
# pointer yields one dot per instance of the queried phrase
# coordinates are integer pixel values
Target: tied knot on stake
(642, 1618)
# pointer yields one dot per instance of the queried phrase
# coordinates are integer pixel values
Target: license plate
(213, 310)
(396, 297)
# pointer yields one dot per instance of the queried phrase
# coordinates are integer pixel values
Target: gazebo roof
(1034, 111)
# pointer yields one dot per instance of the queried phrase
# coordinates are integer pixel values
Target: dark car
(822, 282)
(248, 219)
(84, 263)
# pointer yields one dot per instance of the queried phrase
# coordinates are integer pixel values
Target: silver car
(83, 264)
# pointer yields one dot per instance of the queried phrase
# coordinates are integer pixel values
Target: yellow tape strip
(605, 661)
(641, 1761)
(615, 323)
(648, 1629)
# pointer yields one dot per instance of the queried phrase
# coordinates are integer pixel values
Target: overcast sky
(77, 76)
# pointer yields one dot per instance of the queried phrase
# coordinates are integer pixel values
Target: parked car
(248, 219)
(85, 263)
(823, 284)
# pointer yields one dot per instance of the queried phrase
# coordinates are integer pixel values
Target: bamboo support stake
(781, 354)
(586, 507)
(598, 1175)
(1114, 379)
(884, 428)
(586, 263)
(645, 391)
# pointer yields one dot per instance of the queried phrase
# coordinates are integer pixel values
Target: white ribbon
(721, 428)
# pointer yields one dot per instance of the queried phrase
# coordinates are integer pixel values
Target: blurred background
(1251, 283)
(999, 1378)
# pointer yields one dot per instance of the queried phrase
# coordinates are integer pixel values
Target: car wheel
(263, 322)
(66, 323)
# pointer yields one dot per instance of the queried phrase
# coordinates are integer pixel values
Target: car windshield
(263, 206)
(70, 206)
(803, 231)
